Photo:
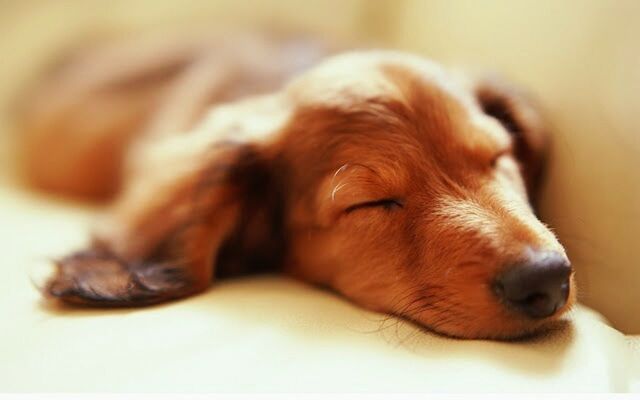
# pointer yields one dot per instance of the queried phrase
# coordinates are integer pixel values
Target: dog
(401, 185)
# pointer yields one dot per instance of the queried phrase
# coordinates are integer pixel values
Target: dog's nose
(538, 287)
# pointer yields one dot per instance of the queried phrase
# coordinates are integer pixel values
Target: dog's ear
(522, 118)
(193, 208)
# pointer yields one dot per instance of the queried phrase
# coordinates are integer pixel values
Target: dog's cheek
(374, 263)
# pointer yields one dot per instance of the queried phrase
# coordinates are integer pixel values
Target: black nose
(538, 287)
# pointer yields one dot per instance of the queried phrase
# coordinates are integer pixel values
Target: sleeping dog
(401, 185)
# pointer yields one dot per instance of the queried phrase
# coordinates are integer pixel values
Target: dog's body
(378, 174)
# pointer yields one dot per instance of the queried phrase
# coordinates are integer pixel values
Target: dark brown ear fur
(522, 118)
(226, 216)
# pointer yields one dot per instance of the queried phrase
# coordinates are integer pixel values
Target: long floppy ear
(194, 206)
(522, 118)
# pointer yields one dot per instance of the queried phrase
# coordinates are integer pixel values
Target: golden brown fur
(378, 174)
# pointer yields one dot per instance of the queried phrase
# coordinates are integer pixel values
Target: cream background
(271, 334)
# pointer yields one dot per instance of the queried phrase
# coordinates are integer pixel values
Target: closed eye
(386, 204)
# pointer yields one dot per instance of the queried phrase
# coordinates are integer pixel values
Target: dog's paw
(99, 278)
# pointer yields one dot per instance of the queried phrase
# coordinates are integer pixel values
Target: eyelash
(387, 204)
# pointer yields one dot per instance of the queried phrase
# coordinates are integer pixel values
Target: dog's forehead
(345, 80)
(390, 101)
(349, 81)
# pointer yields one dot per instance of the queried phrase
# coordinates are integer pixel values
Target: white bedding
(263, 334)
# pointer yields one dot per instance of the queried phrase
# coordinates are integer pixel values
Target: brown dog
(379, 174)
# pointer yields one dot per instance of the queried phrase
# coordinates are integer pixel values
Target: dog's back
(79, 120)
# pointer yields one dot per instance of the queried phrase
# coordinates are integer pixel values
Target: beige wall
(581, 57)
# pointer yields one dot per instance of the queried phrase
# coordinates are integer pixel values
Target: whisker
(335, 190)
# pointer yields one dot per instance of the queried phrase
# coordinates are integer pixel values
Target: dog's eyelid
(387, 203)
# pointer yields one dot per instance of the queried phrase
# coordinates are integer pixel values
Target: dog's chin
(509, 328)
(522, 332)
(496, 321)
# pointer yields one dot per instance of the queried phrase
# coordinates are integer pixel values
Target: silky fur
(293, 180)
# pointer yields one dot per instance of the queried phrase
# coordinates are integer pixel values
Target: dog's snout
(537, 287)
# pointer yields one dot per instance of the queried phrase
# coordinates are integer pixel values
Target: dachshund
(404, 186)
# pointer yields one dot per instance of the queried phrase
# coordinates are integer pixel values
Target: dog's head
(408, 189)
